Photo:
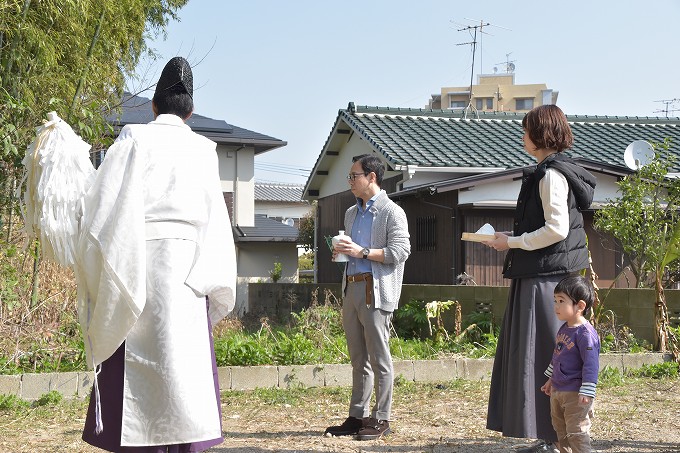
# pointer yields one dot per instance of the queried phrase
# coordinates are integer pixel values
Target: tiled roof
(442, 138)
(266, 230)
(137, 110)
(291, 193)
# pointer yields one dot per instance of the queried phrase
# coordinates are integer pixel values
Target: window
(524, 104)
(426, 233)
(458, 104)
(484, 103)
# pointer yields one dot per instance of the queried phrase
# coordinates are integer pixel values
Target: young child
(574, 366)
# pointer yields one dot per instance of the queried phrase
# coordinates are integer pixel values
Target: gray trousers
(368, 332)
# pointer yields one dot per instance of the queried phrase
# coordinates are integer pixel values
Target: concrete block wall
(78, 384)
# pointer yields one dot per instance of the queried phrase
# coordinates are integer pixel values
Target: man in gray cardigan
(378, 246)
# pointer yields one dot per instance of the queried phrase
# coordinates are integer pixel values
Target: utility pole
(473, 30)
(479, 27)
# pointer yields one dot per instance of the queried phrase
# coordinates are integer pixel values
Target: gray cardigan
(390, 233)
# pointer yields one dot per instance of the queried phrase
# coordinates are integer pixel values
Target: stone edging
(32, 386)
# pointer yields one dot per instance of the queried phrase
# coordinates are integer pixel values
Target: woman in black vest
(547, 243)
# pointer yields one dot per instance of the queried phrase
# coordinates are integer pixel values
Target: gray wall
(632, 307)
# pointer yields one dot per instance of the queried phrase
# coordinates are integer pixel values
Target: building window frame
(484, 103)
(426, 233)
(524, 103)
(457, 105)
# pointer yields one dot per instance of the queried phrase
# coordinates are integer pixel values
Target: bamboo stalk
(16, 38)
(83, 75)
(36, 275)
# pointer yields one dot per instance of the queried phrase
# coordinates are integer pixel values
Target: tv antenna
(473, 29)
(668, 103)
(509, 64)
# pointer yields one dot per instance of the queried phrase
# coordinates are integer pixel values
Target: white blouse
(553, 189)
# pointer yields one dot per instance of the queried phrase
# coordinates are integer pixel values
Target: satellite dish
(638, 154)
(289, 222)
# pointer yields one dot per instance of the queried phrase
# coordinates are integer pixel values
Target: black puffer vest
(568, 255)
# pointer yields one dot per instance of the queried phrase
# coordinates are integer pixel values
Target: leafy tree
(276, 272)
(73, 57)
(645, 220)
(306, 229)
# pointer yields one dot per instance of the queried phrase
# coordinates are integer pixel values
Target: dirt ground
(643, 415)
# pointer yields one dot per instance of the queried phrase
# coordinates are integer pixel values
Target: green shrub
(240, 349)
(294, 349)
(610, 377)
(658, 370)
(12, 402)
(482, 348)
(411, 349)
(276, 272)
(483, 320)
(615, 337)
(410, 319)
(50, 398)
(306, 261)
(404, 384)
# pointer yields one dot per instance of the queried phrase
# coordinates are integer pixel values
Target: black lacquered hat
(176, 73)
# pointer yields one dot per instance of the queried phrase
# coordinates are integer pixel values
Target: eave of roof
(137, 110)
(512, 173)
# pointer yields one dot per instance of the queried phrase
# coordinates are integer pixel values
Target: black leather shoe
(374, 429)
(349, 427)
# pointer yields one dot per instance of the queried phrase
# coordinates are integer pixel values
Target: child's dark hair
(577, 287)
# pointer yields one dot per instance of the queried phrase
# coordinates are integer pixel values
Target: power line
(282, 169)
(283, 166)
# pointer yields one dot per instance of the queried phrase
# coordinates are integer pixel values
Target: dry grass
(45, 325)
(643, 415)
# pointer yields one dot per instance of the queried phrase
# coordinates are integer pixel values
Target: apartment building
(494, 93)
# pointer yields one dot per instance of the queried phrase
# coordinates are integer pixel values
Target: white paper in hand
(485, 233)
(486, 229)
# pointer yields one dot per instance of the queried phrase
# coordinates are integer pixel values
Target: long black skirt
(517, 407)
(111, 392)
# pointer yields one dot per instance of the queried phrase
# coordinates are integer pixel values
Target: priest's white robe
(155, 240)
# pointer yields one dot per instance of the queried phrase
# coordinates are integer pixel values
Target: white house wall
(336, 181)
(508, 190)
(254, 263)
(606, 188)
(285, 210)
(237, 172)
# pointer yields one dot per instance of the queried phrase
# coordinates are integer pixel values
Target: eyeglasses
(352, 176)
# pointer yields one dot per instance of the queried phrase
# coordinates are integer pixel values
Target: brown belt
(368, 278)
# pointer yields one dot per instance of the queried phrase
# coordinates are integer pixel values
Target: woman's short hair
(548, 128)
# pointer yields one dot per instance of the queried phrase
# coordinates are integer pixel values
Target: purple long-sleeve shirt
(575, 361)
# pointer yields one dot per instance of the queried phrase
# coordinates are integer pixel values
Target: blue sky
(285, 68)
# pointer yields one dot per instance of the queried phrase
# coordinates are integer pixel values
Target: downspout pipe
(407, 172)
